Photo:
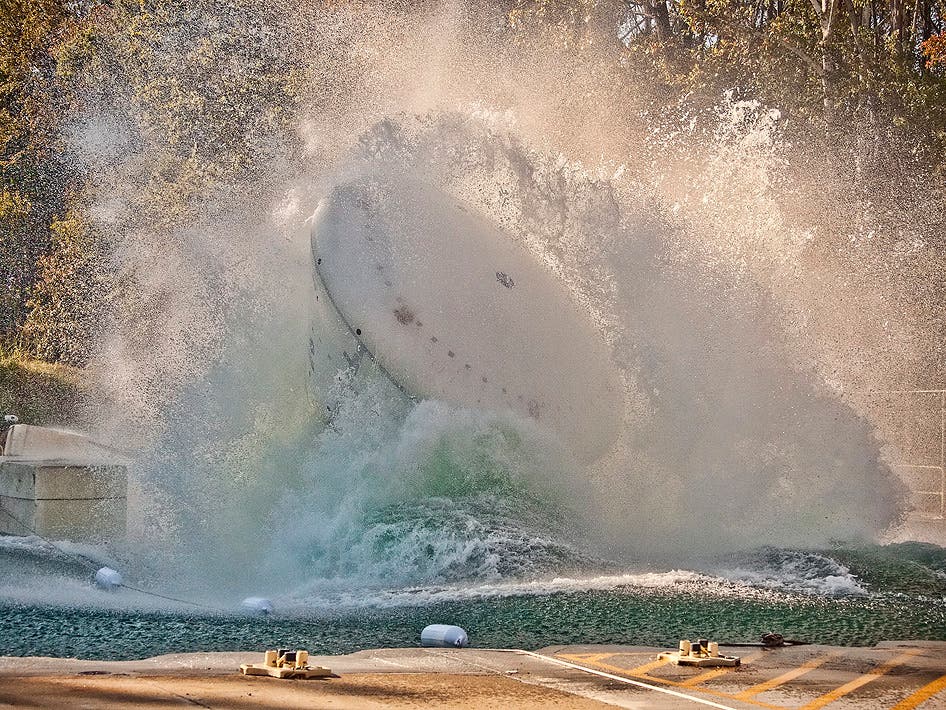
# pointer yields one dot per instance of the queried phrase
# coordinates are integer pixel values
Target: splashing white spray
(728, 434)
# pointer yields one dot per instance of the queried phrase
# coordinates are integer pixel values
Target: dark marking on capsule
(404, 315)
(505, 279)
(450, 353)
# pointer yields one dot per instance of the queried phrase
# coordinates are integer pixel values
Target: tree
(71, 292)
(934, 49)
(210, 92)
(32, 175)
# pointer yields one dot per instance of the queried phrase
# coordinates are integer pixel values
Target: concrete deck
(895, 675)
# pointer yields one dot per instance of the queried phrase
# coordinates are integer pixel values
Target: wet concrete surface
(898, 675)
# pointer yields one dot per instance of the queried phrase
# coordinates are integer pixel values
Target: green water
(619, 616)
(848, 596)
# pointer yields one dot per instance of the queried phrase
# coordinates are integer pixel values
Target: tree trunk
(661, 17)
(827, 12)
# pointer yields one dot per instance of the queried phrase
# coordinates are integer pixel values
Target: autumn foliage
(934, 49)
(218, 84)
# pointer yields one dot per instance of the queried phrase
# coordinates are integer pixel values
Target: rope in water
(85, 562)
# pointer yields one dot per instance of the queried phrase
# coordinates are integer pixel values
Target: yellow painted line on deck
(785, 677)
(717, 672)
(586, 657)
(644, 669)
(860, 681)
(629, 681)
(597, 660)
(641, 672)
(922, 695)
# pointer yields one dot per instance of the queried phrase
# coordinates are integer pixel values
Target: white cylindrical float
(444, 635)
(107, 578)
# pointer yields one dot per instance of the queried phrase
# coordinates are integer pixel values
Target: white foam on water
(647, 583)
(800, 572)
(79, 553)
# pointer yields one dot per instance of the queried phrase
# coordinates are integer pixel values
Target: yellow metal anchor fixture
(283, 663)
(701, 654)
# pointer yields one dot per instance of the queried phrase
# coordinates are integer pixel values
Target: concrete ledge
(58, 480)
(34, 443)
(901, 674)
(63, 500)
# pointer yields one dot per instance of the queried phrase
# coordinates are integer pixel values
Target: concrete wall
(63, 500)
(33, 443)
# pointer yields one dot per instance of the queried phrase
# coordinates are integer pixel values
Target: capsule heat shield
(450, 307)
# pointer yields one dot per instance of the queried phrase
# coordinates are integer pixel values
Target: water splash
(676, 240)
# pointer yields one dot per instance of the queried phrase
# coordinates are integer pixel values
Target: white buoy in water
(107, 578)
(257, 605)
(444, 635)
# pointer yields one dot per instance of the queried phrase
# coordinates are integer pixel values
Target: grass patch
(41, 392)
